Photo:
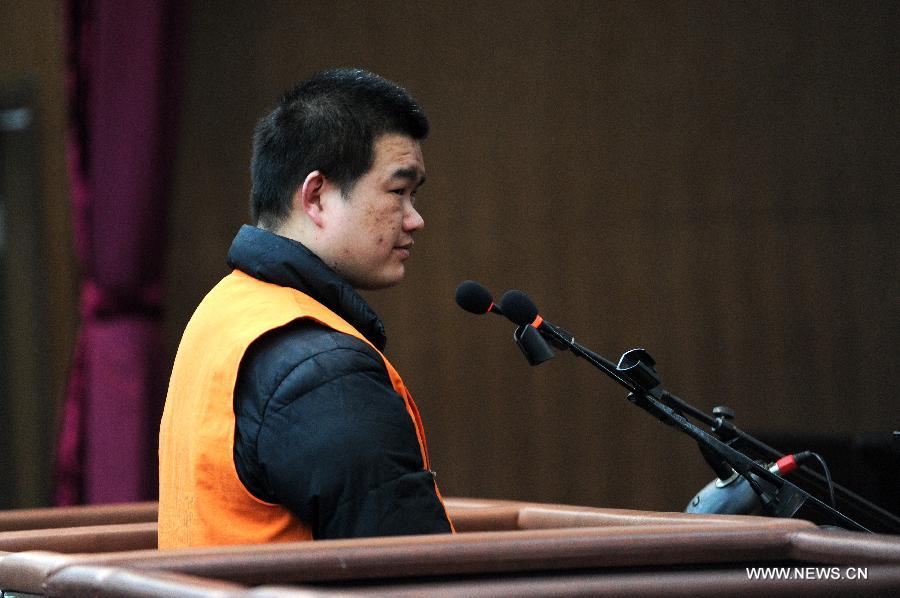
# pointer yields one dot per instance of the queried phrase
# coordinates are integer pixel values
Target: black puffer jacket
(319, 427)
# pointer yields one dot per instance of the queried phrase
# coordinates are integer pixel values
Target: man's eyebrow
(409, 174)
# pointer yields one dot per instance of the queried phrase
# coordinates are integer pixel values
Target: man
(283, 420)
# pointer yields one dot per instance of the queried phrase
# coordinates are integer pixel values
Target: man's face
(371, 230)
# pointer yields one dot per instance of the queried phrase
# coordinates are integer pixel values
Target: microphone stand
(726, 431)
(779, 497)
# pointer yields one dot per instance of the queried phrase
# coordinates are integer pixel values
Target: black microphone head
(473, 297)
(518, 307)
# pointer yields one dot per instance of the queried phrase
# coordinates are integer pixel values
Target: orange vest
(202, 502)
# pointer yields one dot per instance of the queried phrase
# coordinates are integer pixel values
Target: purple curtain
(122, 59)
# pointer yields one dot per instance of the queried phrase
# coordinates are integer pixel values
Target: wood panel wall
(716, 182)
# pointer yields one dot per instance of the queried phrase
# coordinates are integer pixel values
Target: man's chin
(376, 284)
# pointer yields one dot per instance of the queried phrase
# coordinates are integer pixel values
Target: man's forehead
(399, 157)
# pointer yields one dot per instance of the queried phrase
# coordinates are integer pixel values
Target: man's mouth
(404, 250)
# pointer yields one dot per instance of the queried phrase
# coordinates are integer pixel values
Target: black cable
(805, 456)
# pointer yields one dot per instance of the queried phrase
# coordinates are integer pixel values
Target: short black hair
(328, 123)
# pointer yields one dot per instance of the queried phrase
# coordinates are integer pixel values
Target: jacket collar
(285, 262)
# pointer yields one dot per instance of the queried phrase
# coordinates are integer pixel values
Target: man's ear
(308, 197)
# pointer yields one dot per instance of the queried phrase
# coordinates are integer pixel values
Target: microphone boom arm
(635, 372)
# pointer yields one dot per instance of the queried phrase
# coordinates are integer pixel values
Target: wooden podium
(503, 548)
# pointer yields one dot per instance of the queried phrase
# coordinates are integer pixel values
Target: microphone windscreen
(473, 297)
(518, 307)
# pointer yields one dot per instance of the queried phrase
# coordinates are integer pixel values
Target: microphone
(518, 307)
(474, 298)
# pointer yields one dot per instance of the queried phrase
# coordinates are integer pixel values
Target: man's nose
(413, 221)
